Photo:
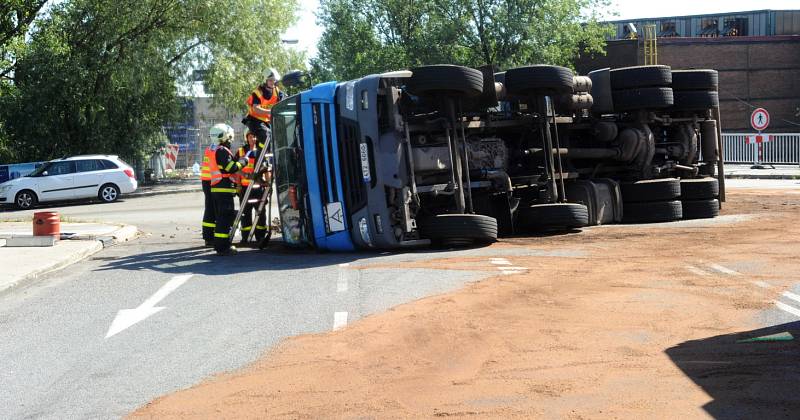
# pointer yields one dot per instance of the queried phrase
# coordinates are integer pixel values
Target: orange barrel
(47, 223)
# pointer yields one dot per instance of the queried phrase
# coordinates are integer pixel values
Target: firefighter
(209, 217)
(247, 150)
(259, 105)
(221, 167)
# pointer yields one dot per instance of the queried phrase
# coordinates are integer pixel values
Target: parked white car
(104, 177)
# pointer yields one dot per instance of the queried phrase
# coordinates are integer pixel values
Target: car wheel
(652, 212)
(109, 193)
(662, 189)
(641, 77)
(552, 217)
(539, 79)
(459, 229)
(643, 98)
(25, 199)
(445, 80)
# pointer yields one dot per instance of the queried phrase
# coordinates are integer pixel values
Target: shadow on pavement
(745, 379)
(275, 257)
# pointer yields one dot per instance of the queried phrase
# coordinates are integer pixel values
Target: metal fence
(782, 149)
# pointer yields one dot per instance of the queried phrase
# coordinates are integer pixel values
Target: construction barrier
(780, 149)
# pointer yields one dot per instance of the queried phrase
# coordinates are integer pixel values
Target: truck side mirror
(293, 78)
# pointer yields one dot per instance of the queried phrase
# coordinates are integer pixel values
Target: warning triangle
(784, 336)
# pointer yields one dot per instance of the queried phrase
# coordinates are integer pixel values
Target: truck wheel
(664, 189)
(641, 76)
(652, 212)
(691, 100)
(459, 229)
(695, 79)
(445, 79)
(556, 216)
(541, 79)
(699, 188)
(643, 98)
(700, 209)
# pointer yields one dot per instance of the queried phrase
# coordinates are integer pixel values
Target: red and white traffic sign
(759, 119)
(759, 138)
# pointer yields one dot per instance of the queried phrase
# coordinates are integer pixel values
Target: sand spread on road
(636, 328)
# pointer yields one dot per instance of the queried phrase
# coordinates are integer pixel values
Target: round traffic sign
(759, 119)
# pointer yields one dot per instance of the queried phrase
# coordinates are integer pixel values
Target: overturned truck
(450, 155)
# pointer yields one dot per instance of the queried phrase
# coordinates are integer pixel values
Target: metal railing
(782, 149)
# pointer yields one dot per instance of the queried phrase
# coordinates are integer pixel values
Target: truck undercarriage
(537, 148)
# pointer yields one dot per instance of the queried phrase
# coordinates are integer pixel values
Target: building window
(668, 30)
(627, 33)
(735, 27)
(709, 28)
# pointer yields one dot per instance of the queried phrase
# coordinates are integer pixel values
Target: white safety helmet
(221, 133)
(273, 74)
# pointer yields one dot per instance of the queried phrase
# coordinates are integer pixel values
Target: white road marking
(500, 261)
(724, 270)
(341, 282)
(339, 320)
(787, 308)
(694, 270)
(763, 284)
(510, 273)
(128, 317)
(792, 296)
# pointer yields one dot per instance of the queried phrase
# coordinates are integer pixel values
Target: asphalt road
(161, 313)
(66, 350)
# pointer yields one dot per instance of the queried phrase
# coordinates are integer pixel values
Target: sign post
(759, 120)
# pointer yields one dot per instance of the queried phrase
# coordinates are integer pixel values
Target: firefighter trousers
(209, 218)
(225, 214)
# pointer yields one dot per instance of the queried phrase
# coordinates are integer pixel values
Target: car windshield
(38, 171)
(289, 174)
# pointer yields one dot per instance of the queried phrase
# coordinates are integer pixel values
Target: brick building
(757, 54)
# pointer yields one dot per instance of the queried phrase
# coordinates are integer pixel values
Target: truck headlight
(363, 227)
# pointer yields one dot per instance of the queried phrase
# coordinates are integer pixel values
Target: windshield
(40, 169)
(289, 174)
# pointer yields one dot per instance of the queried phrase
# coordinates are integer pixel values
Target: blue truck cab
(330, 194)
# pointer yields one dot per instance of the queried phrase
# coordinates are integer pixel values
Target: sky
(307, 33)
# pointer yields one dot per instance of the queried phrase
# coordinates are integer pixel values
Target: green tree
(363, 37)
(103, 77)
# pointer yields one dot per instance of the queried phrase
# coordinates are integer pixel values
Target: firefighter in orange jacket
(247, 151)
(259, 106)
(209, 218)
(221, 167)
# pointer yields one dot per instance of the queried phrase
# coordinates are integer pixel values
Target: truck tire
(652, 212)
(643, 98)
(556, 216)
(665, 189)
(539, 79)
(641, 76)
(695, 79)
(459, 229)
(691, 100)
(700, 209)
(699, 188)
(446, 80)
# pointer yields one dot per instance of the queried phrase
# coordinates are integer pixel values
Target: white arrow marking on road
(128, 317)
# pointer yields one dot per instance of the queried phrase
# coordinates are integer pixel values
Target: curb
(162, 192)
(123, 234)
(743, 176)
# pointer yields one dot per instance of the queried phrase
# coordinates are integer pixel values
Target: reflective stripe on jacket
(263, 103)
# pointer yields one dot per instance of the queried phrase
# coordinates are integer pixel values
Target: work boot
(230, 251)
